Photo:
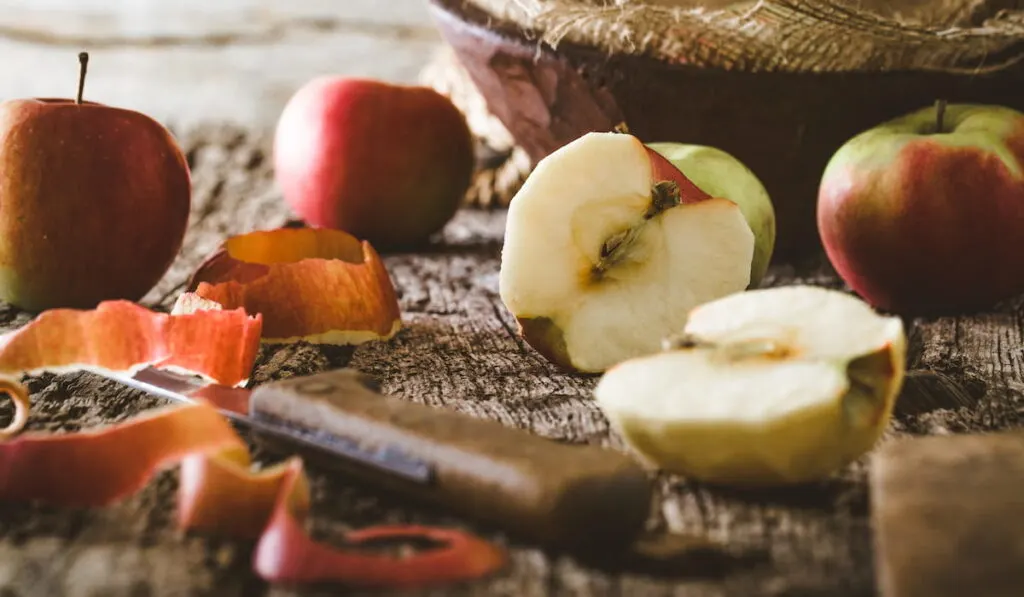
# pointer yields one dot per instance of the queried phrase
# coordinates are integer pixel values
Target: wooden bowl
(784, 126)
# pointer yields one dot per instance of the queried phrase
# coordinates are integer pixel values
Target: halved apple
(607, 248)
(764, 387)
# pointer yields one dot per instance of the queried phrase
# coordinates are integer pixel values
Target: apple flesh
(720, 174)
(608, 247)
(765, 387)
(925, 219)
(386, 163)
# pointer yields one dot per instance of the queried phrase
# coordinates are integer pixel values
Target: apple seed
(664, 195)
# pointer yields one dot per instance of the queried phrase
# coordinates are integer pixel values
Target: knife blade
(561, 495)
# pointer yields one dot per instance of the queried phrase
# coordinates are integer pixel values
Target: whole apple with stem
(608, 246)
(94, 202)
(387, 163)
(924, 214)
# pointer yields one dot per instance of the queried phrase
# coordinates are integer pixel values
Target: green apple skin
(922, 221)
(94, 203)
(719, 174)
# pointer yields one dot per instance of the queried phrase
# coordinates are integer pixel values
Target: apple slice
(765, 387)
(607, 248)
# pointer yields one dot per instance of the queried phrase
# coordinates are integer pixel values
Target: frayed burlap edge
(955, 36)
(503, 166)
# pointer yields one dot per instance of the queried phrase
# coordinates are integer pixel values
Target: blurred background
(189, 61)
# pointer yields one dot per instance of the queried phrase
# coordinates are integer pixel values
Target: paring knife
(569, 496)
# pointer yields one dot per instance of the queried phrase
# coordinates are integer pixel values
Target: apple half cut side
(607, 248)
(766, 387)
(315, 285)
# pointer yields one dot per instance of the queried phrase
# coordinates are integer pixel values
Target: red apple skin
(387, 163)
(663, 170)
(94, 203)
(922, 223)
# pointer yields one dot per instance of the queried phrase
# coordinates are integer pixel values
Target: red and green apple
(94, 202)
(924, 214)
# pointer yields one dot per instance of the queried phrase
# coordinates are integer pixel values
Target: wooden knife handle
(533, 488)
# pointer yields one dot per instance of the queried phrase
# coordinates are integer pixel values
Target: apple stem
(83, 66)
(664, 195)
(621, 128)
(940, 114)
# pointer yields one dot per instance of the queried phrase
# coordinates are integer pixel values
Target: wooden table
(458, 350)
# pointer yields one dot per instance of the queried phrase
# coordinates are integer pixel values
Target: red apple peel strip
(123, 336)
(286, 554)
(219, 494)
(97, 467)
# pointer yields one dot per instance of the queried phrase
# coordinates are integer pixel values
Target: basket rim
(466, 15)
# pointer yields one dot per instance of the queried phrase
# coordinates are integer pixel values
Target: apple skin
(719, 174)
(94, 203)
(927, 223)
(387, 163)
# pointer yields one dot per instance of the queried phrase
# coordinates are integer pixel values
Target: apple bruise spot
(664, 196)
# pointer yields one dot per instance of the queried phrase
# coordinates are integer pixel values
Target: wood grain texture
(459, 350)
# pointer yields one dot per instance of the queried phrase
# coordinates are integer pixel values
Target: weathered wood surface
(458, 350)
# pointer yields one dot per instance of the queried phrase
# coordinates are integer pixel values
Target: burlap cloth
(785, 35)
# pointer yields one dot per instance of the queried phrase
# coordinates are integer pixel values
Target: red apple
(924, 214)
(386, 163)
(94, 202)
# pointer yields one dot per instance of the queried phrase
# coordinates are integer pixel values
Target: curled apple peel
(123, 336)
(218, 493)
(316, 285)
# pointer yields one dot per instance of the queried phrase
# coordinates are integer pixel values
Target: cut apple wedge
(607, 248)
(765, 387)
